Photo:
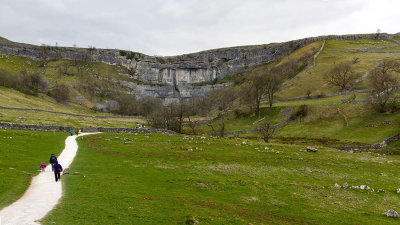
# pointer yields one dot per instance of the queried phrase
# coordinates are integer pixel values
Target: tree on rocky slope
(383, 83)
(342, 76)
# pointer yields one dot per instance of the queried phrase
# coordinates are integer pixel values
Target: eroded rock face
(174, 76)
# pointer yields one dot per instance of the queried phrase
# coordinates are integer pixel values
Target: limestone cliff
(173, 77)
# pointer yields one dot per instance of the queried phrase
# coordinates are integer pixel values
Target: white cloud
(169, 27)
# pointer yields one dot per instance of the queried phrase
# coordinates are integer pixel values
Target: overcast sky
(171, 27)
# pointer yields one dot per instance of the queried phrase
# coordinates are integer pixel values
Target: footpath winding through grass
(162, 179)
(21, 153)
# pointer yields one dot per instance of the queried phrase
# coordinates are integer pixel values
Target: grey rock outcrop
(391, 213)
(310, 149)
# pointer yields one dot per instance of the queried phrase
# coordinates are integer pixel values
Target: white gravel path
(43, 193)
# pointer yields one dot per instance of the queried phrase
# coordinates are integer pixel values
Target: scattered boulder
(126, 139)
(362, 187)
(65, 171)
(192, 221)
(76, 173)
(391, 213)
(398, 191)
(345, 185)
(117, 138)
(22, 118)
(337, 186)
(355, 187)
(310, 149)
(243, 142)
(128, 142)
(380, 190)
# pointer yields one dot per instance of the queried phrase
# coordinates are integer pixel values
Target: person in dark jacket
(53, 159)
(57, 170)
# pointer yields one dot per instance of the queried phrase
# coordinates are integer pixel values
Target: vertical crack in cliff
(176, 89)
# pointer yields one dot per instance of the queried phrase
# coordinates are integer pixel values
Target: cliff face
(172, 77)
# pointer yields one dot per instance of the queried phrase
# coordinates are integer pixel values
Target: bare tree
(266, 129)
(256, 89)
(43, 54)
(222, 100)
(383, 83)
(262, 83)
(342, 76)
(273, 82)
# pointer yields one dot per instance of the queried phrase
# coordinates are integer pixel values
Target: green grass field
(21, 153)
(159, 180)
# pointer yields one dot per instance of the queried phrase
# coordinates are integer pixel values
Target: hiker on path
(57, 170)
(72, 131)
(43, 166)
(53, 159)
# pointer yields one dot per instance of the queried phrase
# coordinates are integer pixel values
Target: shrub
(130, 55)
(161, 60)
(239, 113)
(35, 81)
(28, 83)
(60, 93)
(301, 112)
(122, 53)
(128, 104)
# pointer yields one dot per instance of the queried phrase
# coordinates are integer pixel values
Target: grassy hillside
(332, 55)
(20, 156)
(161, 179)
(15, 99)
(71, 73)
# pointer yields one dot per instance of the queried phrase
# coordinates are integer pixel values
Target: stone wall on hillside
(174, 76)
(84, 129)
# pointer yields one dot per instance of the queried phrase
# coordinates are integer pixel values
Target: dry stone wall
(84, 129)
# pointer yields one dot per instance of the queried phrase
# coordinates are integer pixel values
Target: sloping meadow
(173, 179)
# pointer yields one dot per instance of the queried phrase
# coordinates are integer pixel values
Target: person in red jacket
(57, 170)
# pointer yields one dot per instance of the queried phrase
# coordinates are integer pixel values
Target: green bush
(300, 112)
(28, 83)
(122, 53)
(60, 93)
